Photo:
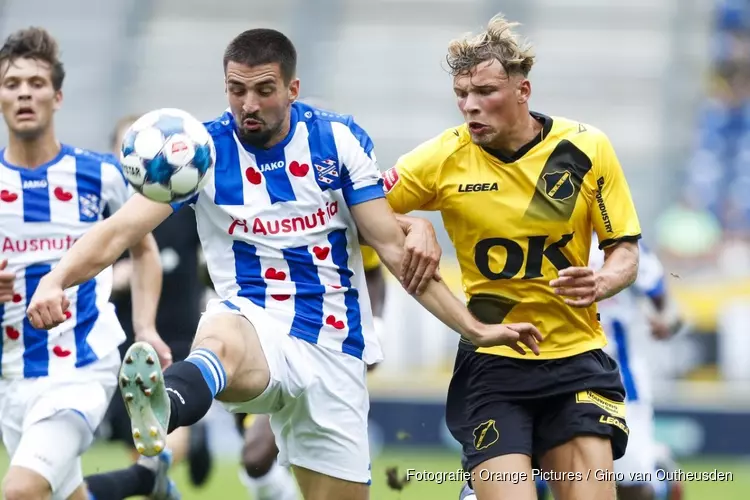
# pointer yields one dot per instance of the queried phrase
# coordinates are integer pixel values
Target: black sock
(136, 480)
(189, 393)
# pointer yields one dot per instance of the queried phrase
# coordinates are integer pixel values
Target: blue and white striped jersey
(43, 211)
(276, 229)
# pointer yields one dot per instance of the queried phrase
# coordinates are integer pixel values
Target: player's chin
(484, 137)
(27, 129)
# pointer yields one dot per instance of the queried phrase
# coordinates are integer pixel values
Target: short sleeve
(650, 279)
(360, 175)
(612, 210)
(412, 183)
(115, 188)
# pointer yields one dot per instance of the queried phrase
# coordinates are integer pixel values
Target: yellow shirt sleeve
(412, 183)
(613, 211)
(370, 258)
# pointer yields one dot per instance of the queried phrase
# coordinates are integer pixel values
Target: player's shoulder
(584, 135)
(87, 155)
(441, 147)
(341, 124)
(106, 165)
(221, 125)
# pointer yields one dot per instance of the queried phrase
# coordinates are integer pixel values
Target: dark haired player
(291, 334)
(55, 385)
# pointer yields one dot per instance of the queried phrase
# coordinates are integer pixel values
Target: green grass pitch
(224, 481)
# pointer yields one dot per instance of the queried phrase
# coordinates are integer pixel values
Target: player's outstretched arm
(96, 250)
(377, 223)
(421, 253)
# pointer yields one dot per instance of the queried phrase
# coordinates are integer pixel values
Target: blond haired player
(519, 193)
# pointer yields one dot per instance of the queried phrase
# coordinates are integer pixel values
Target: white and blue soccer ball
(167, 155)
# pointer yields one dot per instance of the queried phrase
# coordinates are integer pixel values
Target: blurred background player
(261, 473)
(629, 323)
(56, 385)
(177, 317)
(520, 194)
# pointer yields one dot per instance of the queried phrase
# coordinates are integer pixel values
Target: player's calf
(317, 486)
(263, 476)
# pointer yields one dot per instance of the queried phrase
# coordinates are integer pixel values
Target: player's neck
(32, 153)
(524, 132)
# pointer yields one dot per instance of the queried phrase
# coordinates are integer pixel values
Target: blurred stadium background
(668, 80)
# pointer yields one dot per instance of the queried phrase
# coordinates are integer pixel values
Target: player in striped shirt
(291, 334)
(55, 385)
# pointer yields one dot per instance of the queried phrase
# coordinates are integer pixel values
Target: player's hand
(661, 329)
(152, 337)
(48, 305)
(512, 335)
(7, 279)
(577, 284)
(421, 256)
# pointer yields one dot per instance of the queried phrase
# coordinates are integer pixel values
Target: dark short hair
(263, 46)
(34, 43)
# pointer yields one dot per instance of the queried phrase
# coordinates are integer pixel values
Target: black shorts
(498, 405)
(117, 421)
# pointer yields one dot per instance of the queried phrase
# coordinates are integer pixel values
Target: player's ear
(58, 99)
(293, 90)
(523, 91)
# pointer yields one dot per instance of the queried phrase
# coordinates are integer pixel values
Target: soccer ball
(167, 155)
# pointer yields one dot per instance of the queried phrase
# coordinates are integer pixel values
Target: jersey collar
(546, 122)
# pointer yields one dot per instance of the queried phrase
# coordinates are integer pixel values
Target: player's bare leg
(226, 363)
(635, 492)
(487, 487)
(582, 454)
(21, 483)
(264, 477)
(317, 486)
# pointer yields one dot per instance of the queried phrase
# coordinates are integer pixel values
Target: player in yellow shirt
(262, 474)
(519, 193)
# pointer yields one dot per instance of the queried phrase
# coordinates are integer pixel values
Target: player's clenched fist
(7, 278)
(577, 284)
(48, 305)
(512, 335)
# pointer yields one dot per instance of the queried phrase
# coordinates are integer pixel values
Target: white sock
(277, 484)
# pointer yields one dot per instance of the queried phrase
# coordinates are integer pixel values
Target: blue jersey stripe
(308, 299)
(249, 273)
(324, 155)
(35, 195)
(89, 184)
(272, 164)
(36, 352)
(362, 137)
(618, 329)
(86, 315)
(354, 344)
(227, 172)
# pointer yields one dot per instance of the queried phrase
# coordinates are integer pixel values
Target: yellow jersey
(515, 221)
(370, 258)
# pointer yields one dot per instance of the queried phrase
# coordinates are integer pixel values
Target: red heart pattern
(273, 274)
(336, 323)
(335, 286)
(17, 298)
(68, 315)
(12, 333)
(280, 298)
(61, 352)
(298, 169)
(253, 176)
(62, 195)
(321, 252)
(7, 196)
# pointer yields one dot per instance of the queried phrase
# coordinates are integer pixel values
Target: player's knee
(258, 458)
(24, 484)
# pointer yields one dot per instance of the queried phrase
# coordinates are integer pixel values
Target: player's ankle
(190, 393)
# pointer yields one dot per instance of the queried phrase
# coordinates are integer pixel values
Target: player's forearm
(619, 271)
(96, 250)
(145, 284)
(437, 297)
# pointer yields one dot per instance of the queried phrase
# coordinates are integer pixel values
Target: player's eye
(266, 91)
(486, 91)
(238, 91)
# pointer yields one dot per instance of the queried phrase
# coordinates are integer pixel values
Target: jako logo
(267, 167)
(35, 184)
(321, 217)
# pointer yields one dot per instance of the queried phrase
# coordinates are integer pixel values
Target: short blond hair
(498, 41)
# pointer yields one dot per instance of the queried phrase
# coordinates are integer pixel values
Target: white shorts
(48, 422)
(317, 399)
(640, 454)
